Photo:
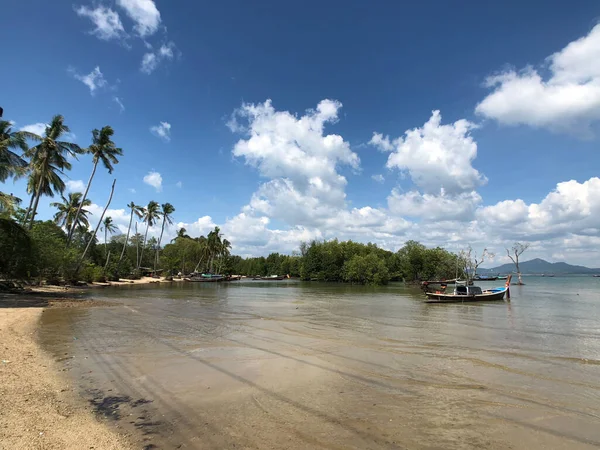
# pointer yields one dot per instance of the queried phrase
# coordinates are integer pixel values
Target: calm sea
(297, 365)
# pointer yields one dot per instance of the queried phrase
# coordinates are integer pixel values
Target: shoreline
(40, 407)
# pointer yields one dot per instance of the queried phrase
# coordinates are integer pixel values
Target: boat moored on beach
(464, 293)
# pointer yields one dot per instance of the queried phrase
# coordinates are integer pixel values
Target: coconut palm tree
(214, 245)
(12, 164)
(65, 216)
(204, 250)
(150, 217)
(224, 253)
(109, 227)
(102, 149)
(8, 204)
(166, 210)
(48, 160)
(181, 234)
(138, 211)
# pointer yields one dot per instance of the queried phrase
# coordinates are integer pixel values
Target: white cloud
(379, 178)
(572, 208)
(36, 128)
(568, 100)
(108, 23)
(149, 63)
(75, 186)
(40, 129)
(179, 184)
(144, 13)
(132, 190)
(434, 207)
(93, 80)
(151, 60)
(119, 103)
(154, 179)
(163, 131)
(436, 156)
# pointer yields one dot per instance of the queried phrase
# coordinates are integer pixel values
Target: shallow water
(313, 365)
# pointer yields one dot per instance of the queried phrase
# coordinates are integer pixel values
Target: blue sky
(485, 171)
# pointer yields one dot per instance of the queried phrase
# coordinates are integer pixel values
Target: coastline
(40, 408)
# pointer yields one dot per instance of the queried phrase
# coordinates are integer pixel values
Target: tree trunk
(143, 247)
(37, 201)
(137, 248)
(107, 258)
(519, 272)
(29, 208)
(158, 246)
(72, 230)
(112, 191)
(127, 237)
(106, 242)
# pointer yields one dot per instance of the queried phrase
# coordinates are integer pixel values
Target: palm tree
(138, 211)
(47, 161)
(109, 227)
(214, 245)
(11, 164)
(151, 215)
(181, 234)
(204, 250)
(225, 247)
(8, 204)
(102, 149)
(65, 217)
(167, 210)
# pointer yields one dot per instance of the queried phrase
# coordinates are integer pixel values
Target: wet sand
(296, 366)
(38, 408)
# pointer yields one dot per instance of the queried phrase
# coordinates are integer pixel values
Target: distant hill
(539, 266)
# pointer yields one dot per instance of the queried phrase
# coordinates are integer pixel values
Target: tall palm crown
(138, 211)
(11, 164)
(68, 208)
(150, 217)
(48, 160)
(166, 210)
(109, 225)
(104, 150)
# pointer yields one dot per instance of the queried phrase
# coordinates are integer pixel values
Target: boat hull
(205, 279)
(455, 298)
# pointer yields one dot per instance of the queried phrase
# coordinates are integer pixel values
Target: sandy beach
(41, 409)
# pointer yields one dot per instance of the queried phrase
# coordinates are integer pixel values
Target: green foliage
(91, 273)
(52, 257)
(369, 269)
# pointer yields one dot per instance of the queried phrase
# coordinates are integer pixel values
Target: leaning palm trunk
(38, 194)
(28, 209)
(126, 238)
(72, 229)
(143, 246)
(87, 247)
(158, 246)
(107, 258)
(199, 262)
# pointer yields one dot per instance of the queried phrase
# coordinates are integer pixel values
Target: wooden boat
(503, 278)
(485, 278)
(270, 278)
(205, 278)
(233, 278)
(463, 293)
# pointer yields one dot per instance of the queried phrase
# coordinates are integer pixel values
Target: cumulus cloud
(144, 14)
(296, 155)
(154, 179)
(571, 208)
(93, 80)
(179, 184)
(75, 185)
(436, 156)
(434, 207)
(107, 22)
(567, 100)
(379, 178)
(162, 130)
